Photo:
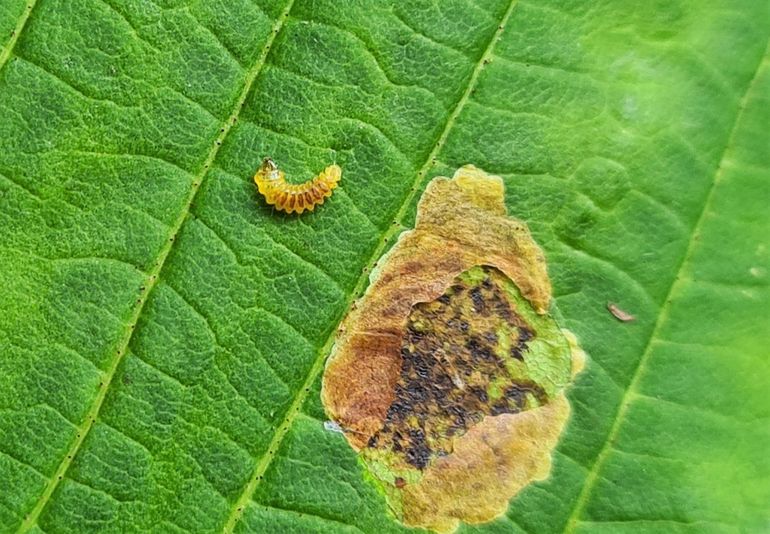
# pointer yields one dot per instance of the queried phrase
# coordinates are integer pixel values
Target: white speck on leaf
(332, 426)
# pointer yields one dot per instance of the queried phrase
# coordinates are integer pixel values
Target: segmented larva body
(291, 198)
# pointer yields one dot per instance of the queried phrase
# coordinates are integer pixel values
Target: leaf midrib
(361, 283)
(152, 277)
(628, 395)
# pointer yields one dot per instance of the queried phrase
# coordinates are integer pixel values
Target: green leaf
(163, 331)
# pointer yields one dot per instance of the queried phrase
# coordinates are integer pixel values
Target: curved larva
(271, 183)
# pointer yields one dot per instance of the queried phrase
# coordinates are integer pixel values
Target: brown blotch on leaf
(494, 461)
(448, 375)
(453, 372)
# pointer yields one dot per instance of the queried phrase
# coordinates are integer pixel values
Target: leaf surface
(162, 331)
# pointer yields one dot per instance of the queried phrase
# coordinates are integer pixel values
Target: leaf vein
(279, 245)
(217, 39)
(611, 266)
(22, 187)
(358, 210)
(130, 25)
(421, 35)
(23, 463)
(368, 49)
(306, 514)
(390, 233)
(216, 339)
(122, 345)
(5, 53)
(627, 397)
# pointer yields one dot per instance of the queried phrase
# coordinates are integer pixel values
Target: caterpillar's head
(270, 170)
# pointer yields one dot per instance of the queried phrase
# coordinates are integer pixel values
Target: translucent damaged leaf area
(448, 376)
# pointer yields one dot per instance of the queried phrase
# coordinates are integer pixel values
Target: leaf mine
(448, 376)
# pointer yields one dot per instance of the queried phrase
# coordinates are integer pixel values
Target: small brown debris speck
(620, 315)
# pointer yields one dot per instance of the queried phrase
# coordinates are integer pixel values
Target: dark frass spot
(459, 363)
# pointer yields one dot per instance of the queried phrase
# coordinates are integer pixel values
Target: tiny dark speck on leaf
(620, 315)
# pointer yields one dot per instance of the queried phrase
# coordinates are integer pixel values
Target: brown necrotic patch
(449, 377)
(459, 364)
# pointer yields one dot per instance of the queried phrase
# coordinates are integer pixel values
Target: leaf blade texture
(162, 332)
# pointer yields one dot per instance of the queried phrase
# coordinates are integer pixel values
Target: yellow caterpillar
(272, 185)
